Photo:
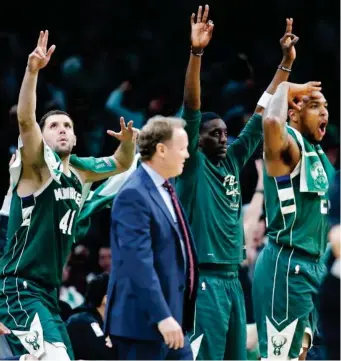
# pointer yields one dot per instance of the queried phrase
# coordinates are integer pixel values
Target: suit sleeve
(131, 221)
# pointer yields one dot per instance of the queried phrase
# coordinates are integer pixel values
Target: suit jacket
(147, 282)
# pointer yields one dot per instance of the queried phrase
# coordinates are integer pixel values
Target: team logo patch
(33, 340)
(278, 342)
(319, 176)
(232, 190)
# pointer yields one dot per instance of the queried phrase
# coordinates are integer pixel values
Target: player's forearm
(274, 121)
(125, 154)
(192, 83)
(280, 77)
(278, 105)
(27, 99)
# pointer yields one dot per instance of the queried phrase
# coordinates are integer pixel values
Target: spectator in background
(104, 259)
(85, 326)
(115, 105)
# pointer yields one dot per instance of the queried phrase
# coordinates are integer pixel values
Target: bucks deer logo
(278, 342)
(33, 340)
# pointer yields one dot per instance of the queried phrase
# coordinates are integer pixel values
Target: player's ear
(75, 141)
(293, 116)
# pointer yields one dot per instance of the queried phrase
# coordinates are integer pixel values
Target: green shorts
(284, 293)
(31, 312)
(220, 322)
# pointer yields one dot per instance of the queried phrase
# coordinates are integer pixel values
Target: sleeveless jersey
(41, 231)
(296, 219)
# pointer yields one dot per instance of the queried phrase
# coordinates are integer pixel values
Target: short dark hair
(158, 129)
(96, 290)
(206, 117)
(49, 114)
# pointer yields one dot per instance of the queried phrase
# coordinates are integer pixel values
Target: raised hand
(4, 330)
(40, 57)
(127, 133)
(288, 42)
(201, 29)
(299, 91)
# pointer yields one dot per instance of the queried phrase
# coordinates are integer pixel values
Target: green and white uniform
(41, 231)
(212, 201)
(289, 270)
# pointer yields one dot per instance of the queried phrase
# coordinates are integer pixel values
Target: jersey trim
(26, 216)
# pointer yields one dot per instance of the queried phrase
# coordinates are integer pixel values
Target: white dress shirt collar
(155, 176)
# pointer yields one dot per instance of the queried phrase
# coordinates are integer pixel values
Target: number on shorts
(65, 224)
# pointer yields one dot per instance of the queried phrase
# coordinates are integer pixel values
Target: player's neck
(66, 164)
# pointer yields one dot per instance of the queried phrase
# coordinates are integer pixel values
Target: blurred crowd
(127, 58)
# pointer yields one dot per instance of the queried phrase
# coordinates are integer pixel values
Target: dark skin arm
(281, 151)
(201, 35)
(287, 42)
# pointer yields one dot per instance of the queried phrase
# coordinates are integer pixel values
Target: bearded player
(290, 269)
(47, 196)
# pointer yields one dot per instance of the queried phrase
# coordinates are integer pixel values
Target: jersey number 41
(65, 224)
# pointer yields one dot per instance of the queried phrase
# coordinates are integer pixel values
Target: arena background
(102, 43)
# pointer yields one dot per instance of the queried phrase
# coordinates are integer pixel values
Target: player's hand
(288, 42)
(172, 333)
(299, 91)
(201, 29)
(40, 57)
(127, 133)
(4, 330)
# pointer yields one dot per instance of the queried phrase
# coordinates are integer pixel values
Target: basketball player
(47, 197)
(210, 192)
(289, 270)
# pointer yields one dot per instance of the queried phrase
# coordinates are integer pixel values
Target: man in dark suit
(152, 286)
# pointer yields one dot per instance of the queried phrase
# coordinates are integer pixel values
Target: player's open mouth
(322, 128)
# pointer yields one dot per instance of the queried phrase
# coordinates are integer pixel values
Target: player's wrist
(287, 63)
(197, 51)
(30, 70)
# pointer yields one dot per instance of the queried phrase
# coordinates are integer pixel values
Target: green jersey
(295, 218)
(41, 231)
(211, 196)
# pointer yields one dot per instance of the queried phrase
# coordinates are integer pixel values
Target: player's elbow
(271, 123)
(25, 120)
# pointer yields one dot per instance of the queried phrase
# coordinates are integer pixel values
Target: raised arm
(251, 136)
(281, 151)
(95, 169)
(201, 35)
(287, 42)
(32, 151)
